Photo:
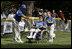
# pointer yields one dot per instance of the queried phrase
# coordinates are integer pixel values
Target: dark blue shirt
(18, 15)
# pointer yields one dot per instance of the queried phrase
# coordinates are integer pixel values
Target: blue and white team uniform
(38, 24)
(18, 15)
(16, 22)
(37, 29)
(50, 28)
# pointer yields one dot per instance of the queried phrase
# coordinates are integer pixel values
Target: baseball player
(50, 23)
(38, 27)
(17, 19)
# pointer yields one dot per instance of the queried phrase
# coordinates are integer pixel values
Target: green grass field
(63, 40)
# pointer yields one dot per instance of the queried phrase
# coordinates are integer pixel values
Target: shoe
(20, 41)
(34, 37)
(29, 36)
(15, 40)
(51, 40)
(54, 38)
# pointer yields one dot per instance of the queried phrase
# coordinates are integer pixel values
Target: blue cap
(23, 6)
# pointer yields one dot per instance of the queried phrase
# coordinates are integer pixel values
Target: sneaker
(51, 40)
(54, 38)
(33, 37)
(29, 36)
(20, 41)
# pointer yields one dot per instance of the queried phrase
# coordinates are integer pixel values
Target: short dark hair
(40, 16)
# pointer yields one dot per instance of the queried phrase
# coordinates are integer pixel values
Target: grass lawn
(63, 40)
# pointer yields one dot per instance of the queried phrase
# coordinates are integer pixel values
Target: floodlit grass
(63, 40)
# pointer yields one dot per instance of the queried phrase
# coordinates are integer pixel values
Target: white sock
(34, 35)
(31, 33)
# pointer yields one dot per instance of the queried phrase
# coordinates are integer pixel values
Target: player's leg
(36, 33)
(51, 33)
(14, 31)
(17, 33)
(48, 28)
(19, 37)
(31, 33)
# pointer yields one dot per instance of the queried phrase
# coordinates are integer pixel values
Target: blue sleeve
(44, 24)
(52, 19)
(46, 19)
(19, 13)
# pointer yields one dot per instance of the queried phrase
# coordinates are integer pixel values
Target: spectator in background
(41, 12)
(45, 12)
(66, 14)
(69, 16)
(11, 15)
(13, 9)
(54, 15)
(12, 12)
(35, 12)
(3, 14)
(61, 15)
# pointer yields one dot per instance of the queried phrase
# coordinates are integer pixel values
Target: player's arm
(44, 25)
(25, 17)
(33, 22)
(52, 21)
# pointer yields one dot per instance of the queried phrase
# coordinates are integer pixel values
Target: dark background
(63, 5)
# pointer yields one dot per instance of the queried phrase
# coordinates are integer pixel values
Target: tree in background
(7, 5)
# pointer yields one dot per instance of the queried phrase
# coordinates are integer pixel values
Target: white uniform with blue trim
(37, 29)
(50, 28)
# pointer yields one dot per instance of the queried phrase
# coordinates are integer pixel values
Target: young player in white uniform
(50, 23)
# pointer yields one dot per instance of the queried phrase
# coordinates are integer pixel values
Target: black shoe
(54, 38)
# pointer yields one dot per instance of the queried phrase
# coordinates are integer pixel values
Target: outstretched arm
(33, 21)
(26, 18)
(42, 27)
(51, 22)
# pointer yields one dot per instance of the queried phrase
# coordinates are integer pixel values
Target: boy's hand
(26, 18)
(50, 22)
(41, 26)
